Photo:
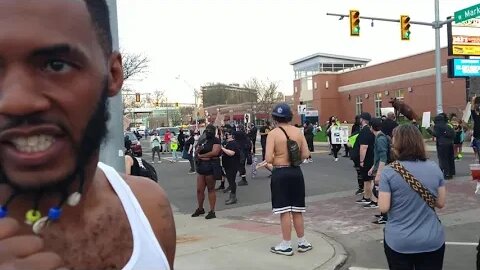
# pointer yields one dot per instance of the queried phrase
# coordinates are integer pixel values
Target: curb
(339, 258)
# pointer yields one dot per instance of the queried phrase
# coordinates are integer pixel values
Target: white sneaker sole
(286, 253)
(303, 250)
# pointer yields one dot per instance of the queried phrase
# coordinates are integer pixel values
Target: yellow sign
(466, 50)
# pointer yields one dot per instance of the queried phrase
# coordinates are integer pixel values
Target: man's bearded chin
(95, 133)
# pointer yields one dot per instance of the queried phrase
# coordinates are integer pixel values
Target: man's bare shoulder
(156, 206)
(146, 189)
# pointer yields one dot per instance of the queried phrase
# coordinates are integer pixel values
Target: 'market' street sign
(467, 13)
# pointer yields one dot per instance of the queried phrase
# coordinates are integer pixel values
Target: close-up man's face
(54, 82)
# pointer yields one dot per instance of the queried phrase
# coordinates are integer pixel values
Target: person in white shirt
(156, 147)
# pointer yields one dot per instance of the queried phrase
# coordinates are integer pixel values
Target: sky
(231, 41)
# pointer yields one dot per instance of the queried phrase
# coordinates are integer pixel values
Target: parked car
(136, 146)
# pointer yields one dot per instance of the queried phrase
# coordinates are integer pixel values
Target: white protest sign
(426, 119)
(386, 110)
(340, 134)
(467, 113)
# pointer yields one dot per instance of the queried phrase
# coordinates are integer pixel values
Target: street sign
(313, 113)
(464, 38)
(467, 13)
(461, 68)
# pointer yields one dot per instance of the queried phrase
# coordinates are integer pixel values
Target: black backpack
(293, 151)
(146, 169)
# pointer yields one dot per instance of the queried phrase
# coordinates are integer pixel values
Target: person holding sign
(335, 139)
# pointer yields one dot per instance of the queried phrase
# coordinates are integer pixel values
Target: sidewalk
(241, 244)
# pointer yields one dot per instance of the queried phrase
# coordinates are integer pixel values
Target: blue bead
(3, 212)
(54, 213)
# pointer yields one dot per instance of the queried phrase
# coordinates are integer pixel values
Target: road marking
(363, 268)
(461, 244)
(170, 159)
(456, 243)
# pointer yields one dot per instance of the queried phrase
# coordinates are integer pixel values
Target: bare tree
(158, 98)
(134, 65)
(267, 93)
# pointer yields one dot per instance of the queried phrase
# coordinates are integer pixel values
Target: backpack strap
(288, 138)
(416, 185)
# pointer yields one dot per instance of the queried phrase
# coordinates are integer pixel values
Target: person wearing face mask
(208, 168)
(231, 163)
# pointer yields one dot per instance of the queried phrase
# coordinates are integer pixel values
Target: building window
(310, 83)
(358, 105)
(295, 89)
(378, 104)
(400, 94)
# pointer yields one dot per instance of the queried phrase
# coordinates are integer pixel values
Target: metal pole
(438, 63)
(111, 151)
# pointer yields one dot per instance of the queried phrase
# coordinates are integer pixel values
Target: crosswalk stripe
(363, 268)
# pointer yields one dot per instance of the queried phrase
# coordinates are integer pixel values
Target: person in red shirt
(167, 139)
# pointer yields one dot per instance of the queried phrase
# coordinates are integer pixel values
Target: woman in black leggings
(231, 164)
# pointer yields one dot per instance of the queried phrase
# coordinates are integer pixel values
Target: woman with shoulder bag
(414, 236)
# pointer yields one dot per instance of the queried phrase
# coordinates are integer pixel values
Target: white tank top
(147, 253)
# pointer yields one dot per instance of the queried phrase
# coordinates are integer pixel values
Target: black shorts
(210, 167)
(364, 174)
(288, 190)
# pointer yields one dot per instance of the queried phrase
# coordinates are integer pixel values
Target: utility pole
(437, 25)
(438, 60)
(111, 151)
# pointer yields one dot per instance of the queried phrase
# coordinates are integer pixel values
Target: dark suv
(136, 146)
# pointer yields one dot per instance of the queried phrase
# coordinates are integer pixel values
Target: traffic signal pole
(111, 152)
(437, 25)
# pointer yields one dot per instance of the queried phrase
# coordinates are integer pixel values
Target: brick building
(345, 86)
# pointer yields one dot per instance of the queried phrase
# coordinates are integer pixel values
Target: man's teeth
(33, 144)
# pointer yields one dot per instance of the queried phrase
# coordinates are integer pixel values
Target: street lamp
(195, 94)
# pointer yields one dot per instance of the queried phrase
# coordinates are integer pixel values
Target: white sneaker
(281, 249)
(305, 161)
(336, 159)
(304, 246)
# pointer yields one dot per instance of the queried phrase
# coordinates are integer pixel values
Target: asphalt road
(323, 176)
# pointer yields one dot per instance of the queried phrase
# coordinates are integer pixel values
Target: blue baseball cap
(282, 110)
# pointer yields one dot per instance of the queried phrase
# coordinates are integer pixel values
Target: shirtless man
(287, 184)
(60, 207)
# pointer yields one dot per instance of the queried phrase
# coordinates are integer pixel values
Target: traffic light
(405, 27)
(137, 97)
(354, 23)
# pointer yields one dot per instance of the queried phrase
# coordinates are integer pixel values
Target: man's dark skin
(38, 75)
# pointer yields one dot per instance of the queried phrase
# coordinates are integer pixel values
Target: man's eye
(57, 66)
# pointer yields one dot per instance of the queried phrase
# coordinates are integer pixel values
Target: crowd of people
(62, 208)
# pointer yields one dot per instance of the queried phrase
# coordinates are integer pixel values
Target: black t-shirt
(366, 137)
(308, 130)
(264, 129)
(231, 161)
(207, 145)
(476, 124)
(190, 141)
(252, 134)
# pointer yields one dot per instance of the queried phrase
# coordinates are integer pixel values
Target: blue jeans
(174, 155)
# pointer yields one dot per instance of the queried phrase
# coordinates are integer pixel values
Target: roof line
(330, 56)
